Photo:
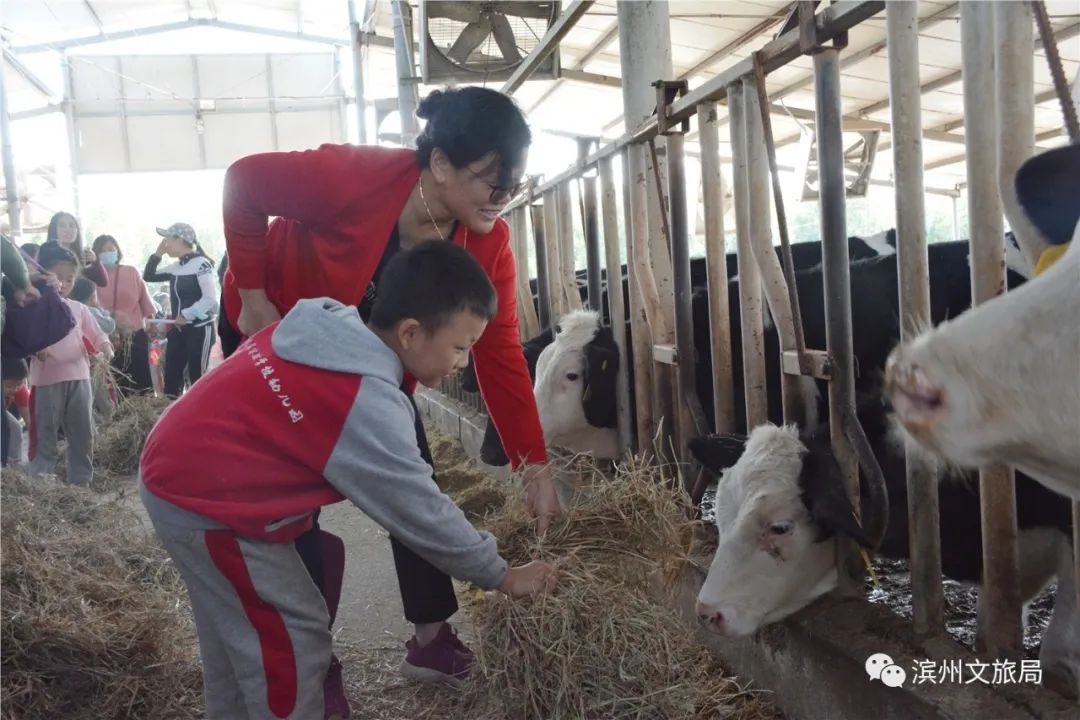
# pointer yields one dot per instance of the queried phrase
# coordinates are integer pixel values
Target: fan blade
(470, 38)
(504, 38)
(466, 12)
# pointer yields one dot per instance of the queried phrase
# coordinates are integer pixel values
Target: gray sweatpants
(263, 628)
(63, 405)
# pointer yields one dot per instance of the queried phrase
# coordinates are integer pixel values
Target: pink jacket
(126, 297)
(67, 359)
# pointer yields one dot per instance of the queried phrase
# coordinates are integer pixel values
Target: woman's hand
(256, 312)
(180, 320)
(89, 257)
(535, 577)
(161, 247)
(540, 496)
(25, 296)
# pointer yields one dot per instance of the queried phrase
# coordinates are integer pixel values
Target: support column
(1000, 631)
(905, 103)
(406, 70)
(10, 181)
(358, 67)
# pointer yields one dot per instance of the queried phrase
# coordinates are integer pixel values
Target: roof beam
(593, 78)
(93, 14)
(179, 25)
(548, 44)
(954, 159)
(27, 74)
(603, 42)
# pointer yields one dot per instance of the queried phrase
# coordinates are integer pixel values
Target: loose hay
(95, 618)
(605, 644)
(118, 445)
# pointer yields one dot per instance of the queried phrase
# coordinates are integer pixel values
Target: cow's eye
(781, 528)
(571, 376)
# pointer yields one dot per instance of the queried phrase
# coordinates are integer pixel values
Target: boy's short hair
(82, 290)
(430, 284)
(53, 253)
(15, 369)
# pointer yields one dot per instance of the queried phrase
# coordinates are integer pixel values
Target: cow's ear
(717, 453)
(1047, 186)
(601, 371)
(824, 495)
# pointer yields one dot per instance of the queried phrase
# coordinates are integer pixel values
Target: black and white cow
(875, 321)
(780, 499)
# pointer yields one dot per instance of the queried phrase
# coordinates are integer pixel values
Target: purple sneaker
(445, 659)
(335, 704)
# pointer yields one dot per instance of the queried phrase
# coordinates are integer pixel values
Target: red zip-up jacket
(336, 207)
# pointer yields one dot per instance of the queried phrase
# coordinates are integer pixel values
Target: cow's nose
(914, 396)
(708, 615)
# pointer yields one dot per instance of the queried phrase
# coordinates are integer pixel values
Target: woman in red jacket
(342, 211)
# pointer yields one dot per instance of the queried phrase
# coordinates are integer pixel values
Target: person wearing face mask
(64, 231)
(127, 299)
(343, 212)
(193, 293)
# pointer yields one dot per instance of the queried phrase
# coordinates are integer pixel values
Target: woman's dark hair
(431, 283)
(53, 253)
(31, 249)
(101, 240)
(51, 234)
(469, 123)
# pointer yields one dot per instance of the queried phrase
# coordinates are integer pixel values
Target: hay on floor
(606, 643)
(95, 618)
(118, 445)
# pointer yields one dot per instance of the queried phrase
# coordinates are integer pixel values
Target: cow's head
(779, 501)
(575, 386)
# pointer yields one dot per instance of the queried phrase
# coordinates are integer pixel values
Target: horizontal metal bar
(666, 354)
(173, 26)
(820, 365)
(547, 45)
(591, 78)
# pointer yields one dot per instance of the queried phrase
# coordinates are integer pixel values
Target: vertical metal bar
(72, 133)
(590, 224)
(641, 336)
(554, 247)
(773, 283)
(956, 217)
(905, 103)
(691, 418)
(10, 180)
(125, 132)
(527, 319)
(616, 301)
(200, 130)
(1001, 632)
(273, 106)
(406, 69)
(716, 262)
(644, 281)
(358, 67)
(834, 255)
(750, 308)
(566, 248)
(543, 286)
(1014, 61)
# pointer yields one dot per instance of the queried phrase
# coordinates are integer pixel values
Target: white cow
(1001, 383)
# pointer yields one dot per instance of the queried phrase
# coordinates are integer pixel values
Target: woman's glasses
(498, 192)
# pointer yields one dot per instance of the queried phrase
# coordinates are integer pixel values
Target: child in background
(15, 373)
(101, 389)
(317, 414)
(60, 382)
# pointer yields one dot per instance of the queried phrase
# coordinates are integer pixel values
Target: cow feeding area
(606, 643)
(95, 618)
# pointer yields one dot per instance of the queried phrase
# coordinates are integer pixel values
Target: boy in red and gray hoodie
(317, 416)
